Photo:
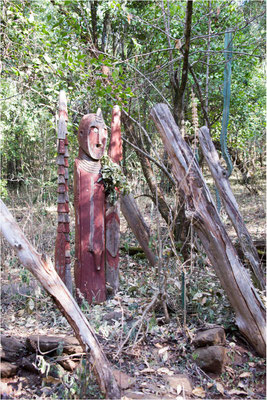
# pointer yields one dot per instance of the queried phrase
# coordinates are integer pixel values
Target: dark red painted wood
(115, 144)
(89, 197)
(113, 211)
(89, 201)
(60, 253)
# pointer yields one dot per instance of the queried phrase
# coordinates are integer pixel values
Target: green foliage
(80, 385)
(114, 180)
(3, 188)
(47, 46)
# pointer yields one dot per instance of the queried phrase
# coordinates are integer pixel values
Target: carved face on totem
(92, 135)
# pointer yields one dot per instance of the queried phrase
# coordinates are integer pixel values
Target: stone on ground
(210, 359)
(210, 337)
(182, 380)
(124, 381)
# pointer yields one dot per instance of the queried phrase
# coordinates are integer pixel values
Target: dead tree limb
(137, 224)
(222, 183)
(201, 210)
(42, 268)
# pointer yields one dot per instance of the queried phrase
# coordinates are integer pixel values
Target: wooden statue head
(92, 135)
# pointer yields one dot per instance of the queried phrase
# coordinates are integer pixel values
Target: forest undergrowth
(132, 325)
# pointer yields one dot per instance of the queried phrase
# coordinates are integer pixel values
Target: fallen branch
(42, 268)
(137, 224)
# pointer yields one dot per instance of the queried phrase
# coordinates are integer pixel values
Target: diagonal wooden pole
(201, 210)
(220, 177)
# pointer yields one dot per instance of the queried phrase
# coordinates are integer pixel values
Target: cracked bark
(201, 210)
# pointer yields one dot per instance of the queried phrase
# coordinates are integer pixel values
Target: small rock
(7, 369)
(113, 315)
(210, 337)
(182, 380)
(124, 381)
(210, 359)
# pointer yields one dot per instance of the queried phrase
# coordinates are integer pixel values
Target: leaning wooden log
(231, 207)
(137, 224)
(43, 269)
(201, 210)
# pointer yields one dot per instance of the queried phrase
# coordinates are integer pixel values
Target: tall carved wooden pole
(62, 248)
(89, 202)
(113, 211)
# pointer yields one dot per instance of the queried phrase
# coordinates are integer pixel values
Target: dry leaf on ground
(164, 370)
(220, 387)
(199, 392)
(245, 375)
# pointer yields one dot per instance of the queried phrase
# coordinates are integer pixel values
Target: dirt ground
(159, 350)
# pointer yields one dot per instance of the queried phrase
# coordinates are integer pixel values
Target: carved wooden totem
(62, 247)
(97, 222)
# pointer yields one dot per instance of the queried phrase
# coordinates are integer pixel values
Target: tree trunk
(171, 217)
(42, 268)
(230, 204)
(93, 5)
(180, 89)
(200, 208)
(138, 226)
(208, 65)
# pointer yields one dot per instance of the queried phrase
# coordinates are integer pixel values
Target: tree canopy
(135, 54)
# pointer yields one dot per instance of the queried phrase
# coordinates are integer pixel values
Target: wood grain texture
(89, 202)
(112, 217)
(201, 210)
(137, 224)
(219, 175)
